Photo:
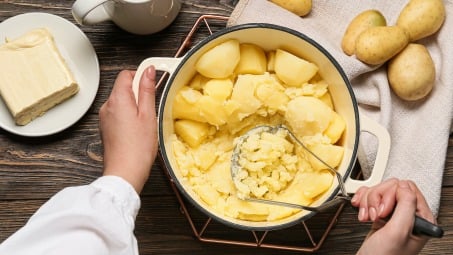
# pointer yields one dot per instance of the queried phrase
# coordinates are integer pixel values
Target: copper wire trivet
(301, 237)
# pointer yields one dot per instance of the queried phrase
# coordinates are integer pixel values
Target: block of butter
(34, 77)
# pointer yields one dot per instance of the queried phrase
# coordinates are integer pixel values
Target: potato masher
(421, 226)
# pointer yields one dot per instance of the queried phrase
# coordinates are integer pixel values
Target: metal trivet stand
(303, 237)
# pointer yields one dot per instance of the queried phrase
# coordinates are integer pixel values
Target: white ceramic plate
(81, 58)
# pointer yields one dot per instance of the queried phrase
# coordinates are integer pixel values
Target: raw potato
(421, 18)
(376, 45)
(411, 73)
(363, 21)
(298, 7)
(220, 61)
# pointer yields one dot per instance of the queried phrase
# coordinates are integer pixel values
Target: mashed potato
(210, 113)
(267, 164)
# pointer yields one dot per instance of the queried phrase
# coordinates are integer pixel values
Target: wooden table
(33, 169)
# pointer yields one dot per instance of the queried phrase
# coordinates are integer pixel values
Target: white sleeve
(93, 219)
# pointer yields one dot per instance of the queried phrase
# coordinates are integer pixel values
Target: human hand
(401, 200)
(128, 130)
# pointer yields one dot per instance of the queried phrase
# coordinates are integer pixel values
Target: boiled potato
(270, 61)
(207, 193)
(308, 116)
(192, 132)
(293, 70)
(376, 45)
(237, 126)
(198, 82)
(220, 61)
(241, 209)
(180, 151)
(319, 88)
(252, 61)
(244, 94)
(363, 21)
(316, 183)
(298, 7)
(185, 105)
(421, 18)
(411, 73)
(204, 157)
(220, 176)
(279, 212)
(294, 192)
(329, 153)
(327, 99)
(335, 128)
(219, 89)
(212, 110)
(230, 107)
(272, 95)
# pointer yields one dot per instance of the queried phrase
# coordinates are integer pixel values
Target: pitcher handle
(382, 155)
(89, 12)
(165, 64)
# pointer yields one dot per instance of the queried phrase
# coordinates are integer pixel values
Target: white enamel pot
(270, 37)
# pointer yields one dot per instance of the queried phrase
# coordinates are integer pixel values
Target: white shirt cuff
(122, 192)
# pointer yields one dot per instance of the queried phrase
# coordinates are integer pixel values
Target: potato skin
(411, 73)
(376, 45)
(361, 22)
(421, 18)
(298, 7)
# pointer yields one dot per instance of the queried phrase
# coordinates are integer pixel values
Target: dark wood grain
(32, 170)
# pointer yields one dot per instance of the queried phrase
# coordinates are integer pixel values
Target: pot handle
(380, 164)
(160, 63)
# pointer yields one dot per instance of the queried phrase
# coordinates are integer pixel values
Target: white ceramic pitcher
(135, 16)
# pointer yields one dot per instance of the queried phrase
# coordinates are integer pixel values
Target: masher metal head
(236, 167)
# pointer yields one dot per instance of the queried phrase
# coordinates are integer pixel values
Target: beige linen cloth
(419, 130)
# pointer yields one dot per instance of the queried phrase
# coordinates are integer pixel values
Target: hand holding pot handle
(160, 63)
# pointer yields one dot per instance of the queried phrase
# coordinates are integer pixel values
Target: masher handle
(424, 227)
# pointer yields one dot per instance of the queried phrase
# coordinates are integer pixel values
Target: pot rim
(163, 99)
